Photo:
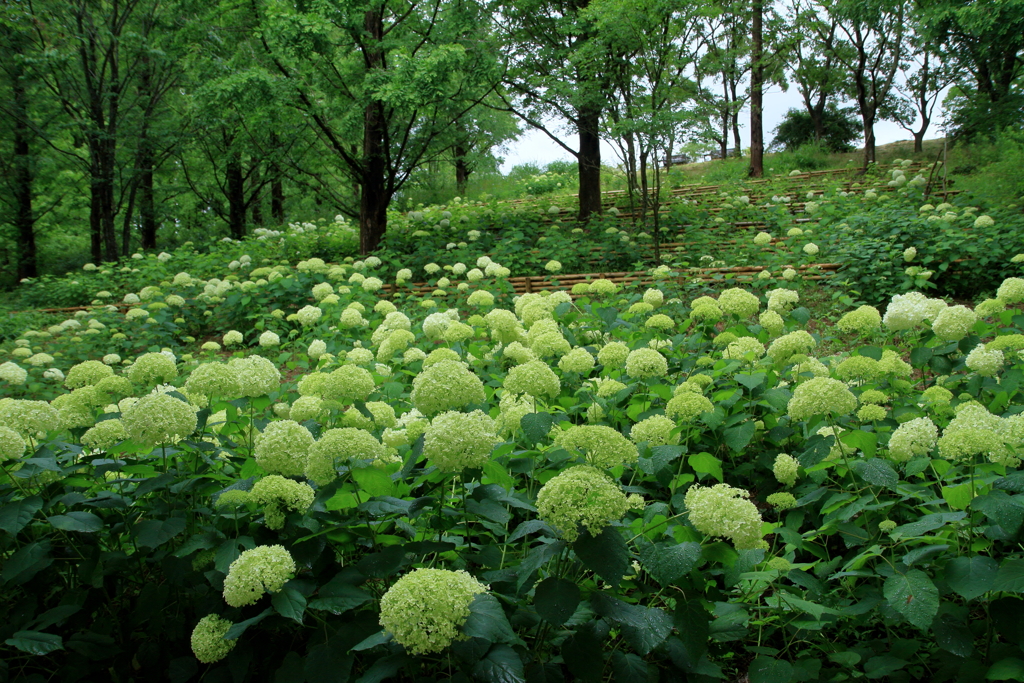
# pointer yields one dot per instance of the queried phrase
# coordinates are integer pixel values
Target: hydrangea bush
(514, 489)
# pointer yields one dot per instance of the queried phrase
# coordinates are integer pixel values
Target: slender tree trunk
(756, 84)
(147, 207)
(645, 199)
(461, 170)
(589, 160)
(126, 220)
(632, 183)
(277, 198)
(256, 203)
(24, 221)
(373, 197)
(734, 116)
(869, 139)
(236, 196)
(276, 187)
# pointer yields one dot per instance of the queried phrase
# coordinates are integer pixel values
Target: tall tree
(556, 73)
(812, 60)
(756, 89)
(396, 74)
(874, 32)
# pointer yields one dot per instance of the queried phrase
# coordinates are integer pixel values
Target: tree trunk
(461, 170)
(277, 198)
(869, 139)
(24, 221)
(373, 196)
(756, 82)
(645, 201)
(236, 196)
(147, 208)
(589, 160)
(919, 139)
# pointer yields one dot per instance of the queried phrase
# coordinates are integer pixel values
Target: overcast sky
(534, 146)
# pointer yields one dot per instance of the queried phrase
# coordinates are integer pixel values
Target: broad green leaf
(289, 603)
(487, 620)
(536, 426)
(373, 480)
(499, 475)
(958, 497)
(338, 596)
(605, 554)
(705, 463)
(1010, 577)
(863, 441)
(737, 438)
(666, 562)
(15, 516)
(153, 533)
(501, 664)
(77, 521)
(371, 641)
(27, 562)
(645, 628)
(556, 599)
(629, 668)
(880, 667)
(238, 629)
(876, 471)
(750, 381)
(327, 663)
(1008, 669)
(914, 596)
(971, 577)
(35, 643)
(767, 670)
(384, 668)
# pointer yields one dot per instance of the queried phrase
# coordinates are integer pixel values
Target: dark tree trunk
(236, 196)
(24, 221)
(645, 200)
(277, 198)
(461, 170)
(734, 116)
(589, 160)
(756, 84)
(919, 140)
(147, 207)
(373, 196)
(256, 203)
(869, 139)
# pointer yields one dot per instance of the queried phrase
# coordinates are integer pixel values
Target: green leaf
(958, 497)
(1010, 577)
(289, 603)
(383, 669)
(926, 524)
(327, 663)
(536, 426)
(705, 463)
(373, 480)
(876, 471)
(971, 576)
(953, 635)
(750, 381)
(920, 355)
(870, 352)
(880, 667)
(767, 670)
(238, 629)
(666, 562)
(501, 664)
(487, 620)
(629, 668)
(556, 599)
(737, 438)
(85, 522)
(914, 596)
(153, 533)
(35, 643)
(1008, 669)
(499, 475)
(861, 440)
(645, 628)
(338, 596)
(372, 641)
(28, 561)
(15, 516)
(605, 554)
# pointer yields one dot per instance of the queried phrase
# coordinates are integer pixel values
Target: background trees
(131, 124)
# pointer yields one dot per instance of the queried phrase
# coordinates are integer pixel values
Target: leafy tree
(839, 129)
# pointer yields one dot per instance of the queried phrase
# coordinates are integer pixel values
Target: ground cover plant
(248, 463)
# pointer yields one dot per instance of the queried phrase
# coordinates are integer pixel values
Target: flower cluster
(208, 643)
(863, 320)
(282, 448)
(724, 511)
(263, 569)
(739, 302)
(655, 430)
(456, 441)
(913, 438)
(152, 368)
(534, 378)
(446, 385)
(785, 469)
(256, 375)
(582, 496)
(646, 363)
(604, 447)
(159, 419)
(425, 609)
(277, 495)
(821, 396)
